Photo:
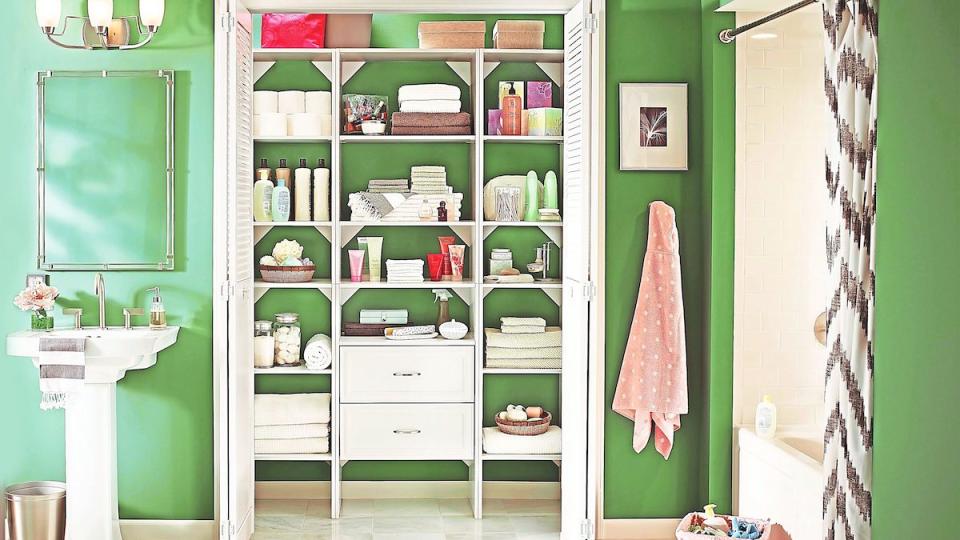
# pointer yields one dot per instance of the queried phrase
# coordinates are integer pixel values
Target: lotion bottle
(262, 193)
(512, 114)
(158, 313)
(321, 192)
(280, 207)
(301, 190)
(766, 421)
(283, 173)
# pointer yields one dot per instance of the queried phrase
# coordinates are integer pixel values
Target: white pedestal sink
(91, 419)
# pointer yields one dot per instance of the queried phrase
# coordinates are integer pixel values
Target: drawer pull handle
(407, 431)
(406, 374)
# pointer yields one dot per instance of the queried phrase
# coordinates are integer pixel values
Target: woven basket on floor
(525, 427)
(287, 274)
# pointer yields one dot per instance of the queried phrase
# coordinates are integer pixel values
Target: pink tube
(356, 264)
(456, 262)
(445, 243)
(435, 266)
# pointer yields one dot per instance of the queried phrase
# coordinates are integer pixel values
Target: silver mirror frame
(168, 262)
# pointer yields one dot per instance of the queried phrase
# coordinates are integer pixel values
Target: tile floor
(402, 519)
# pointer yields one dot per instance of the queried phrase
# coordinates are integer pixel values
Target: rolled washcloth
(551, 337)
(430, 106)
(290, 409)
(318, 353)
(314, 445)
(297, 431)
(431, 119)
(410, 92)
(522, 321)
(497, 442)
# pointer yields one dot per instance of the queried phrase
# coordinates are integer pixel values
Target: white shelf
(524, 139)
(548, 56)
(292, 457)
(357, 341)
(291, 370)
(545, 284)
(291, 139)
(273, 55)
(537, 224)
(520, 457)
(347, 284)
(257, 224)
(407, 224)
(369, 139)
(521, 371)
(438, 55)
(313, 284)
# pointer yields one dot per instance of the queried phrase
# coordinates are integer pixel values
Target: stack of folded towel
(405, 271)
(523, 343)
(291, 423)
(430, 109)
(397, 185)
(429, 180)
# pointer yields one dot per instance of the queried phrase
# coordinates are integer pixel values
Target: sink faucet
(100, 291)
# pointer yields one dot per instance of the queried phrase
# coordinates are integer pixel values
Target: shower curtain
(851, 152)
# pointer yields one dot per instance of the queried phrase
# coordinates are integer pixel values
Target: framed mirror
(105, 170)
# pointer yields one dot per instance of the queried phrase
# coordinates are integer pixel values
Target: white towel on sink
(62, 370)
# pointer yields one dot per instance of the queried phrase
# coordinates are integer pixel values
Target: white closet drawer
(406, 431)
(406, 374)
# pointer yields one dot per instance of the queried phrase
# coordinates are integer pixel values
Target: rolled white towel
(318, 353)
(410, 92)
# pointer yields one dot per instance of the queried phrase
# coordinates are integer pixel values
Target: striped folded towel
(524, 363)
(517, 353)
(522, 321)
(552, 337)
(62, 370)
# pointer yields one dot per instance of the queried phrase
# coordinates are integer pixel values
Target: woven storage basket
(525, 427)
(287, 274)
(766, 528)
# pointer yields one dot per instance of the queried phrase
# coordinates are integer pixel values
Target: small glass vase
(40, 321)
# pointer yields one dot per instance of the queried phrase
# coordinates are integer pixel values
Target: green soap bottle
(532, 211)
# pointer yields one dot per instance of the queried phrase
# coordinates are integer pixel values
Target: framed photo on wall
(653, 126)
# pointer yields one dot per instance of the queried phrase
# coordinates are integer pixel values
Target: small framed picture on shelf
(653, 126)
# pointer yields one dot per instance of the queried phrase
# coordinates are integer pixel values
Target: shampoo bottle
(262, 193)
(280, 205)
(158, 313)
(512, 114)
(301, 190)
(766, 424)
(283, 173)
(321, 192)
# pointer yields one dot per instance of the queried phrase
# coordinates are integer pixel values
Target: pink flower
(39, 297)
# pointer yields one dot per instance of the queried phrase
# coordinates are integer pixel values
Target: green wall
(916, 464)
(674, 45)
(164, 420)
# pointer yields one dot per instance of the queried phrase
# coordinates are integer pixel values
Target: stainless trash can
(37, 511)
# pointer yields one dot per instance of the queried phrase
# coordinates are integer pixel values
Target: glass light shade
(100, 12)
(48, 13)
(151, 12)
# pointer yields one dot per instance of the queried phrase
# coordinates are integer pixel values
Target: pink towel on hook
(652, 389)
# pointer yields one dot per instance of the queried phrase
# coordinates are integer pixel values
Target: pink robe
(652, 389)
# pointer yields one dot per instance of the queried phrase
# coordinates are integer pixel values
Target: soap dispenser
(158, 314)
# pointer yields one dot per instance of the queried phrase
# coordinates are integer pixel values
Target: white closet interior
(364, 404)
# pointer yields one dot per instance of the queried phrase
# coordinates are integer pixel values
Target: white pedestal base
(91, 447)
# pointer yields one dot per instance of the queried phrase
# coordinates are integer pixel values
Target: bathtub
(781, 479)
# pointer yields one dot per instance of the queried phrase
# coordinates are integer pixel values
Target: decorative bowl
(287, 274)
(373, 127)
(453, 330)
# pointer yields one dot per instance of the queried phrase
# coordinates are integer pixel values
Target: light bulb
(48, 13)
(100, 12)
(151, 13)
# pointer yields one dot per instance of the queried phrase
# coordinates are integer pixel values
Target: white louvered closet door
(240, 243)
(576, 270)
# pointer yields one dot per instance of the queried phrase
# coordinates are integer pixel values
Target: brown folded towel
(431, 119)
(428, 130)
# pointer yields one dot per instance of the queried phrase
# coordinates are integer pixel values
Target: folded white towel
(297, 431)
(315, 445)
(540, 352)
(522, 321)
(497, 442)
(62, 370)
(290, 409)
(410, 92)
(551, 337)
(523, 329)
(524, 363)
(430, 106)
(318, 352)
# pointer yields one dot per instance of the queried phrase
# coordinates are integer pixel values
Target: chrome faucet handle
(130, 312)
(76, 312)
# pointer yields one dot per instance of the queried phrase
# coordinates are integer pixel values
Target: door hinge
(586, 529)
(590, 291)
(227, 289)
(226, 530)
(590, 23)
(227, 20)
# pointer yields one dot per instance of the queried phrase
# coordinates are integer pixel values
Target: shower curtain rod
(730, 35)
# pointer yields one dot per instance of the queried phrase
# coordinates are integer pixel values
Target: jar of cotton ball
(286, 338)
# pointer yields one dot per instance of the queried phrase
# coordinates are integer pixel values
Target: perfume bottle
(442, 211)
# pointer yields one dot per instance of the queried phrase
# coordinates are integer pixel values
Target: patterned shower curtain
(851, 153)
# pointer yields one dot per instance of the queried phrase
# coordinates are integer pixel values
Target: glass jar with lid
(263, 344)
(286, 335)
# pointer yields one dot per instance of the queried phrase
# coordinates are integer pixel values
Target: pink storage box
(291, 30)
(684, 526)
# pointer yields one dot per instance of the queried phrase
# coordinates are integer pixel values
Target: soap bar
(539, 94)
(546, 121)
